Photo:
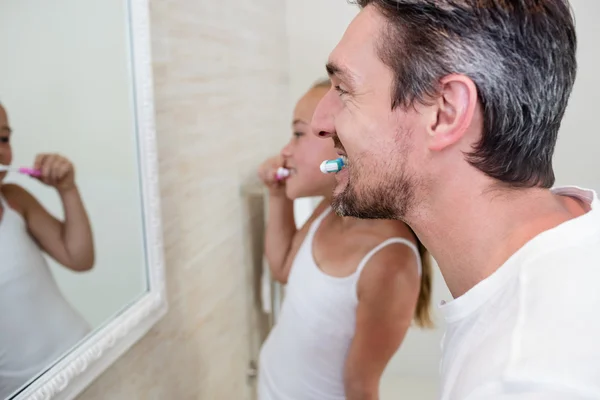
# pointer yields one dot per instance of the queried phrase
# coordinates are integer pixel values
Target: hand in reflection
(68, 241)
(57, 171)
(267, 172)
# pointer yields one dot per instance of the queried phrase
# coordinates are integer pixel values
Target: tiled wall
(221, 88)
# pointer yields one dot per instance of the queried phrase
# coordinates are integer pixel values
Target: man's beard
(391, 197)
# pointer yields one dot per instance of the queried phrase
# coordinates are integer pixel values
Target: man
(448, 112)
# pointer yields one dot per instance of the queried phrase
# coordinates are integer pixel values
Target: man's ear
(452, 112)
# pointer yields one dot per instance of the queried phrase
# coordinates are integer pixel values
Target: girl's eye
(4, 139)
(298, 134)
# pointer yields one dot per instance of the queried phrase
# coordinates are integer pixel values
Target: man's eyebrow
(340, 72)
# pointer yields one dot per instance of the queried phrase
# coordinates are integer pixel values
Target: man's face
(382, 145)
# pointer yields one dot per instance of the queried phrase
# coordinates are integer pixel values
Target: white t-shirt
(532, 329)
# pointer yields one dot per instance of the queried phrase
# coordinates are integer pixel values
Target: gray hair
(519, 54)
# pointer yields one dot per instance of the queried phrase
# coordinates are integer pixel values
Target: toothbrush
(282, 173)
(21, 170)
(332, 166)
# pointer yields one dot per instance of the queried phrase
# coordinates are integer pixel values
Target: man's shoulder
(567, 253)
(555, 339)
(548, 319)
(557, 323)
(564, 263)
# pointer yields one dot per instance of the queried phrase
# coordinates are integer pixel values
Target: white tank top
(37, 324)
(303, 358)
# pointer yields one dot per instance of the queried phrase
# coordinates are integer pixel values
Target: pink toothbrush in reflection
(21, 170)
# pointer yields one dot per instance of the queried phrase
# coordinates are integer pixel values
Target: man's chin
(350, 204)
(344, 204)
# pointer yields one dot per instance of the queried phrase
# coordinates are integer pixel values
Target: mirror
(80, 245)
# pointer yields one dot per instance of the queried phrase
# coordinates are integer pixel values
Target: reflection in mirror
(38, 323)
(71, 233)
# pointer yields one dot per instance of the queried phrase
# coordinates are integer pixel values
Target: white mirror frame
(74, 372)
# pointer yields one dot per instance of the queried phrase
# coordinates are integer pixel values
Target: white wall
(576, 157)
(414, 370)
(64, 80)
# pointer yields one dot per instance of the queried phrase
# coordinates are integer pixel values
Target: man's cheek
(349, 136)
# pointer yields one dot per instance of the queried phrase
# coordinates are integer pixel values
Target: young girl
(353, 286)
(37, 324)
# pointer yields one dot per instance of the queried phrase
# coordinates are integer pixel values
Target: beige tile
(221, 89)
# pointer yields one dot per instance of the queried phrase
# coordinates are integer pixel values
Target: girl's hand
(56, 171)
(267, 173)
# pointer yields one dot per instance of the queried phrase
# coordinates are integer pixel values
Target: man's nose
(322, 120)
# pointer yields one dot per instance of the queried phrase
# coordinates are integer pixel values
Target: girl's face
(5, 149)
(305, 152)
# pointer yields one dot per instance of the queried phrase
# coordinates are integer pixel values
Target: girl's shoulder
(16, 196)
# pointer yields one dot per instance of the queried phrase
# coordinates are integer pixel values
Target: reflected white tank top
(303, 358)
(37, 324)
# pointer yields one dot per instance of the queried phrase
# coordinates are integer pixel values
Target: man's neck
(341, 223)
(471, 234)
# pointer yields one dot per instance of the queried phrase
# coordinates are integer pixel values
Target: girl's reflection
(37, 324)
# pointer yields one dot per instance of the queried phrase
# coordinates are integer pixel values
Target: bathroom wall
(221, 88)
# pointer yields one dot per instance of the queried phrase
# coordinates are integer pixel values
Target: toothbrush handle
(31, 172)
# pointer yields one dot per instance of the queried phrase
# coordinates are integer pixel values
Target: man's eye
(340, 90)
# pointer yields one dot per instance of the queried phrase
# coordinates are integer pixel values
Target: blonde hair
(422, 315)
